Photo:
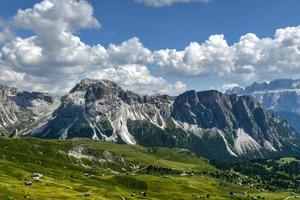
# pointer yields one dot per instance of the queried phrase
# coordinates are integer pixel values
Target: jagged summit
(275, 85)
(102, 88)
(87, 83)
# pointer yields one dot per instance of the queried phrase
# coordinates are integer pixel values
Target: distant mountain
(281, 96)
(20, 112)
(209, 123)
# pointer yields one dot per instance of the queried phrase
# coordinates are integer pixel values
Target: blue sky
(175, 26)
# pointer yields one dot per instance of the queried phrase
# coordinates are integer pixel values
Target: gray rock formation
(22, 111)
(280, 96)
(209, 123)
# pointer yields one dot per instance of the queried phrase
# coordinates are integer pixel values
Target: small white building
(37, 176)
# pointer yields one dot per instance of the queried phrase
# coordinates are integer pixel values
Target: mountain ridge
(209, 123)
(199, 121)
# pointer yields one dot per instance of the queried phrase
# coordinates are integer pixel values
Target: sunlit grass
(64, 176)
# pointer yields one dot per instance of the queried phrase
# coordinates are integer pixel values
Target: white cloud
(130, 51)
(55, 22)
(161, 3)
(138, 78)
(251, 58)
(46, 67)
(61, 15)
(10, 76)
(22, 53)
(213, 56)
(228, 86)
(6, 33)
(54, 58)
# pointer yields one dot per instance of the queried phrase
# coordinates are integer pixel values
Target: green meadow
(86, 169)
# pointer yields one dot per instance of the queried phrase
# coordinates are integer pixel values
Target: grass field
(85, 169)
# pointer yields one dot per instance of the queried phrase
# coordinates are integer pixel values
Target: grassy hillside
(85, 169)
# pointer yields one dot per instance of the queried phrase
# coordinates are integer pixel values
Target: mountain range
(209, 123)
(281, 96)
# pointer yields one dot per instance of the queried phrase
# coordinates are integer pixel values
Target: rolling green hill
(86, 169)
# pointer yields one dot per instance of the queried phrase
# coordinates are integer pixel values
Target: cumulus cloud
(61, 15)
(54, 55)
(130, 51)
(251, 58)
(54, 58)
(213, 56)
(6, 33)
(161, 3)
(138, 78)
(10, 76)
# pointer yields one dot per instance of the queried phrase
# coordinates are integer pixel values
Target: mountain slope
(244, 126)
(209, 123)
(281, 96)
(21, 111)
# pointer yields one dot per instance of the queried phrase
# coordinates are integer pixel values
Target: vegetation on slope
(89, 169)
(272, 174)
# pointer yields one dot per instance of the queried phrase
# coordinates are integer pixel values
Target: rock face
(209, 123)
(212, 109)
(101, 110)
(22, 111)
(280, 96)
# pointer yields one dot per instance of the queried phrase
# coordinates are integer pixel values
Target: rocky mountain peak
(101, 89)
(88, 84)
